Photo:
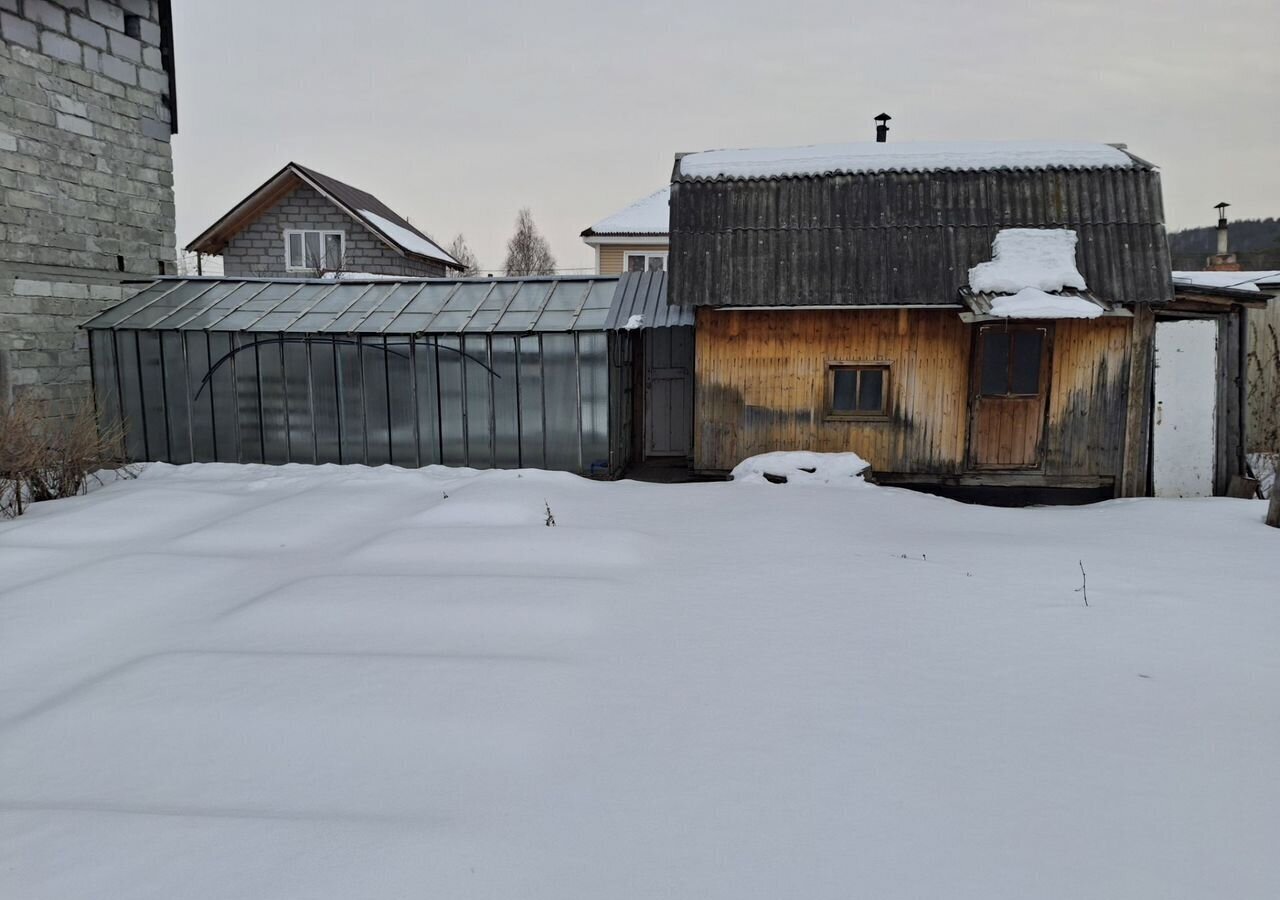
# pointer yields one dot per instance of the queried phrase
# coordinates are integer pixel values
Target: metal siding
(906, 237)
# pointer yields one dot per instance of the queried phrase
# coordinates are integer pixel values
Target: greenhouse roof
(376, 306)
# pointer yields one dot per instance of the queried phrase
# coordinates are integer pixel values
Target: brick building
(87, 107)
(301, 222)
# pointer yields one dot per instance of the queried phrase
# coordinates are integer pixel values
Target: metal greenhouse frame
(488, 373)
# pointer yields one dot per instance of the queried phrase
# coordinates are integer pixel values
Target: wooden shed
(837, 311)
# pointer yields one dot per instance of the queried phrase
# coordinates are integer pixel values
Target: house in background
(972, 318)
(302, 223)
(87, 109)
(633, 239)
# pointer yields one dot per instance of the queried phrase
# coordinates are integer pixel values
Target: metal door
(668, 405)
(1184, 434)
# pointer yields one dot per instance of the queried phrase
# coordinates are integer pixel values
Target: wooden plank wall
(761, 381)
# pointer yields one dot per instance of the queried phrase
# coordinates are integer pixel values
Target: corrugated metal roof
(645, 294)
(396, 306)
(906, 238)
(979, 303)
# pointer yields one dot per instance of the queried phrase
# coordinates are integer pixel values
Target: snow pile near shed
(1032, 303)
(1041, 258)
(820, 159)
(801, 467)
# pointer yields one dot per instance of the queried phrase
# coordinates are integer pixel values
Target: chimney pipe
(882, 128)
(1222, 228)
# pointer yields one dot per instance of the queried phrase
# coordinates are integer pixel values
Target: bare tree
(462, 253)
(528, 252)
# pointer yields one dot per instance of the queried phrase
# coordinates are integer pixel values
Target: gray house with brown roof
(303, 223)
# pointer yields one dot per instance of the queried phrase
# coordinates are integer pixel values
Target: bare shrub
(45, 459)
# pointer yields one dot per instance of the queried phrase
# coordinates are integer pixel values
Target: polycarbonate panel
(431, 298)
(135, 419)
(224, 307)
(297, 395)
(531, 296)
(216, 293)
(275, 426)
(410, 323)
(367, 303)
(483, 320)
(555, 320)
(468, 296)
(517, 320)
(203, 446)
(287, 312)
(479, 403)
(177, 298)
(453, 442)
(122, 311)
(324, 401)
(377, 419)
(532, 450)
(222, 394)
(601, 295)
(449, 322)
(591, 320)
(428, 401)
(506, 409)
(402, 408)
(568, 295)
(177, 400)
(248, 409)
(351, 408)
(106, 396)
(560, 395)
(593, 381)
(153, 402)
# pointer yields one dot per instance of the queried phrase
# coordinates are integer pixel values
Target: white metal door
(1183, 443)
(668, 391)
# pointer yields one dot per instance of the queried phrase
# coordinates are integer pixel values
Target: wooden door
(1008, 388)
(668, 361)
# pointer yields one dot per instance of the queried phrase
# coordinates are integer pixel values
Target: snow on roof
(650, 215)
(819, 159)
(1032, 303)
(1042, 258)
(409, 241)
(1241, 281)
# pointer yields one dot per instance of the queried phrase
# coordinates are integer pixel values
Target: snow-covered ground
(230, 682)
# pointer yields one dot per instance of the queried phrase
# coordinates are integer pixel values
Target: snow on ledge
(1032, 303)
(802, 467)
(1043, 258)
(821, 159)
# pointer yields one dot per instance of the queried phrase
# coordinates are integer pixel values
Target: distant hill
(1256, 242)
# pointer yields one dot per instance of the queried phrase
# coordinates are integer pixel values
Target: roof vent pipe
(1222, 228)
(882, 128)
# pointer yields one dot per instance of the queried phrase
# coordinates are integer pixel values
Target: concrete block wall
(258, 250)
(86, 180)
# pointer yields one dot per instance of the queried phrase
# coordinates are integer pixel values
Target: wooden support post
(1273, 511)
(1137, 432)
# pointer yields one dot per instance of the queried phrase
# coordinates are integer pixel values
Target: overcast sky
(458, 114)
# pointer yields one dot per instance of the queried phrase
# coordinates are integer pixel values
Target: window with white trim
(309, 251)
(644, 262)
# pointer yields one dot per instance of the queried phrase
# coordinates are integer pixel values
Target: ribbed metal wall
(486, 401)
(905, 237)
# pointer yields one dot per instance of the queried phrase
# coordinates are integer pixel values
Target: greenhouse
(489, 373)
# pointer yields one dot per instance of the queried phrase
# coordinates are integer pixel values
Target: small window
(857, 391)
(642, 262)
(311, 251)
(1011, 362)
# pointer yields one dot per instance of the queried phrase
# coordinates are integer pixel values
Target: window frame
(627, 254)
(885, 367)
(1008, 332)
(289, 265)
